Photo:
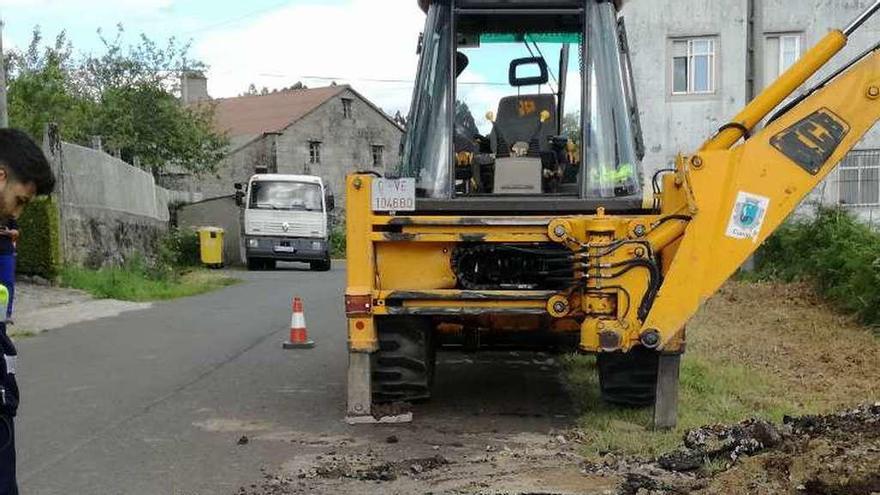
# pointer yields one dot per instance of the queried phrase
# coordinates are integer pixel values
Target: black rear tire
(403, 368)
(628, 379)
(320, 266)
(254, 264)
(269, 264)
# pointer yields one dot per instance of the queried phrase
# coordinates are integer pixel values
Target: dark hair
(25, 161)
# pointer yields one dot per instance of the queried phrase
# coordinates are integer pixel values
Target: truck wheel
(403, 369)
(320, 266)
(269, 264)
(254, 264)
(628, 379)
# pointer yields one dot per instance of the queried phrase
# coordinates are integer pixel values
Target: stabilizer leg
(360, 390)
(666, 402)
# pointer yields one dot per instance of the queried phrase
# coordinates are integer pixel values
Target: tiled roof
(249, 115)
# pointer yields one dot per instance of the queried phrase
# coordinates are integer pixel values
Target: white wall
(673, 124)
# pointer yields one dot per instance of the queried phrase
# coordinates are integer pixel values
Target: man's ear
(4, 177)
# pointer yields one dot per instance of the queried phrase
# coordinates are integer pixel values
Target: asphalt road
(155, 401)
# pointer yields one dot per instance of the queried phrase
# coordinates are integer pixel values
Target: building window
(346, 108)
(693, 66)
(378, 155)
(314, 152)
(859, 178)
(782, 51)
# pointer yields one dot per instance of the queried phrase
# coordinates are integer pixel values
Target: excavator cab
(523, 106)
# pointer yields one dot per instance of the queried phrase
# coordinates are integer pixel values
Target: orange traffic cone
(299, 336)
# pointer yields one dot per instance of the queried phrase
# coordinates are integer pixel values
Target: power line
(237, 19)
(367, 79)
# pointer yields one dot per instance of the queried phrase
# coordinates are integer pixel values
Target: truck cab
(285, 219)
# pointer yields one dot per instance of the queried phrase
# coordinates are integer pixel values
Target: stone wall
(346, 143)
(245, 158)
(110, 211)
(94, 237)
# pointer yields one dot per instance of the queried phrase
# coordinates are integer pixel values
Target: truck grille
(299, 228)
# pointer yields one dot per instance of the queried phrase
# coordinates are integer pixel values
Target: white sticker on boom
(394, 194)
(747, 216)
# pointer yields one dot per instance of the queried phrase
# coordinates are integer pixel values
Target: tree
(127, 94)
(400, 119)
(251, 91)
(571, 127)
(150, 123)
(41, 90)
(465, 119)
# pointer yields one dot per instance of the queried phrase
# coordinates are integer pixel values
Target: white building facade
(698, 62)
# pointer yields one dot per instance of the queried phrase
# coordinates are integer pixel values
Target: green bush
(833, 251)
(39, 248)
(337, 242)
(179, 248)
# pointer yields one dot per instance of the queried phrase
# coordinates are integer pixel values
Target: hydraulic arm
(738, 196)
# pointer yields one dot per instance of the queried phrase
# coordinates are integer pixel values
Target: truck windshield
(281, 195)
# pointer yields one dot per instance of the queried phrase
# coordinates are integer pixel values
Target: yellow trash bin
(211, 246)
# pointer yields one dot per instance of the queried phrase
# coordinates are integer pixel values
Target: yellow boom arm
(737, 197)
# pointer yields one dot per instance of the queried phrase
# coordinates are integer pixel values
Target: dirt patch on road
(412, 462)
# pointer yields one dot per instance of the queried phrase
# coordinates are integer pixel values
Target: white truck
(285, 219)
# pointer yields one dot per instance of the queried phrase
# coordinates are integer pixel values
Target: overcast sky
(266, 42)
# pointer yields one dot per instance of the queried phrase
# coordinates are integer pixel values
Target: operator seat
(519, 139)
(519, 120)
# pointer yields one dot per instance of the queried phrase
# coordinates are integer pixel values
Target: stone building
(327, 132)
(698, 62)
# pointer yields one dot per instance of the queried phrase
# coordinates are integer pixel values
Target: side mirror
(238, 186)
(239, 198)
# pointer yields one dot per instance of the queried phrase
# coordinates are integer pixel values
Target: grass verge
(133, 283)
(755, 350)
(19, 334)
(710, 392)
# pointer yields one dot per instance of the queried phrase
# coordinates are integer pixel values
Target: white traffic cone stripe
(298, 320)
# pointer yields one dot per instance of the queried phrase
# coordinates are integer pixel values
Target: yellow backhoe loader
(532, 229)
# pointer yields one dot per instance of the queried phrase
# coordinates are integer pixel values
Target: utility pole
(4, 115)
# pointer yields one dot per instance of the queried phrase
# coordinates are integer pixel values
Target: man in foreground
(24, 174)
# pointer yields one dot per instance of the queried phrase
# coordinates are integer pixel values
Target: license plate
(394, 194)
(284, 249)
